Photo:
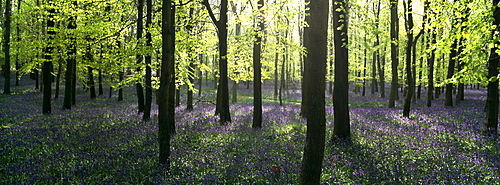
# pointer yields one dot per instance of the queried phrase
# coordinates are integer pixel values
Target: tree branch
(211, 13)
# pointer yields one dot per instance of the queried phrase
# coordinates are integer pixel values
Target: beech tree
(394, 52)
(315, 41)
(491, 124)
(6, 46)
(257, 49)
(223, 89)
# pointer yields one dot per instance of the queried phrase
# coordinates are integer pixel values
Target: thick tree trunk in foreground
(316, 123)
(342, 128)
(491, 124)
(166, 109)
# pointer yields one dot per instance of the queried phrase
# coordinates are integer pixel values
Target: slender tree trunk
(71, 61)
(18, 33)
(316, 46)
(91, 82)
(491, 124)
(6, 46)
(257, 81)
(47, 64)
(149, 87)
(101, 91)
(409, 74)
(394, 52)
(120, 89)
(140, 28)
(221, 25)
(58, 79)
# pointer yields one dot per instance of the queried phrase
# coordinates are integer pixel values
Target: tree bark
(47, 64)
(257, 81)
(70, 73)
(394, 52)
(221, 25)
(149, 88)
(140, 28)
(166, 109)
(6, 46)
(409, 74)
(491, 124)
(316, 60)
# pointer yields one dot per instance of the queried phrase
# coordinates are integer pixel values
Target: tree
(47, 64)
(257, 84)
(491, 124)
(71, 61)
(394, 52)
(6, 46)
(315, 40)
(341, 128)
(138, 85)
(223, 89)
(166, 108)
(149, 88)
(409, 74)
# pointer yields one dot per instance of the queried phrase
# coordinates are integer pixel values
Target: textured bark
(316, 123)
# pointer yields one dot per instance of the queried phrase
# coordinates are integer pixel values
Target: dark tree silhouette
(166, 109)
(257, 84)
(138, 85)
(394, 52)
(491, 125)
(149, 91)
(316, 44)
(6, 46)
(342, 128)
(47, 64)
(223, 89)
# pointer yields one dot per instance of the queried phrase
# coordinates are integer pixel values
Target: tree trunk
(47, 64)
(149, 88)
(257, 81)
(120, 89)
(6, 46)
(221, 25)
(101, 91)
(166, 109)
(409, 74)
(316, 46)
(491, 124)
(58, 79)
(138, 85)
(394, 52)
(91, 82)
(71, 61)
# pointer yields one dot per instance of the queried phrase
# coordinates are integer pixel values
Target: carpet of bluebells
(104, 141)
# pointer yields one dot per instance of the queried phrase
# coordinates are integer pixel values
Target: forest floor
(104, 141)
